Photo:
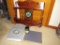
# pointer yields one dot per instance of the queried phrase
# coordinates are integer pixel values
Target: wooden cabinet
(29, 7)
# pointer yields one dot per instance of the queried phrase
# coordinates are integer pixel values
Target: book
(16, 33)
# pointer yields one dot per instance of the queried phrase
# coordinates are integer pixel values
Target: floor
(49, 36)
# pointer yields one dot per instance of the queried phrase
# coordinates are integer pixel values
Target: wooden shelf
(29, 5)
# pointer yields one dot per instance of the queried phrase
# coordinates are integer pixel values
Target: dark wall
(4, 5)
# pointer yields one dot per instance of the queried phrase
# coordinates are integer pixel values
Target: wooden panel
(22, 13)
(36, 16)
(11, 9)
(29, 5)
